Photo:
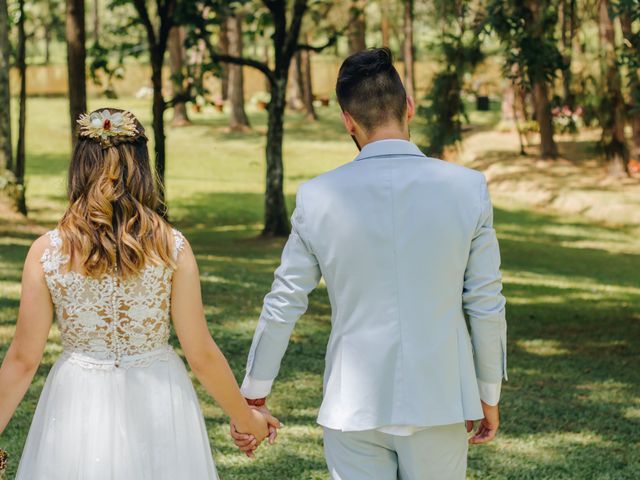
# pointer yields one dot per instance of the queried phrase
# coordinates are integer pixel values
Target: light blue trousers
(435, 453)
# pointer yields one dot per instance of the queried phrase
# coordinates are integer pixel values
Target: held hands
(488, 427)
(266, 426)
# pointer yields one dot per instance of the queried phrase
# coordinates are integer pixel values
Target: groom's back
(399, 225)
(392, 234)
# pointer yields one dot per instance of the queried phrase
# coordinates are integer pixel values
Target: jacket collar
(389, 148)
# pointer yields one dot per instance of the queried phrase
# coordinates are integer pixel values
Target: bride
(118, 403)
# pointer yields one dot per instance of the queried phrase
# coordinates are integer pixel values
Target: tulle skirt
(140, 421)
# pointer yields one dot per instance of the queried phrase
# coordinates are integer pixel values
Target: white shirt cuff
(489, 392)
(252, 388)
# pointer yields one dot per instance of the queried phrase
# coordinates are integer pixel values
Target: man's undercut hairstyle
(370, 90)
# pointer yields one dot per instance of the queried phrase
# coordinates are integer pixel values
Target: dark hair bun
(373, 61)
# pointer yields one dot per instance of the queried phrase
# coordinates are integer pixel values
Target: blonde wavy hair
(114, 220)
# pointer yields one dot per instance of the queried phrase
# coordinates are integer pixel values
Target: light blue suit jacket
(407, 249)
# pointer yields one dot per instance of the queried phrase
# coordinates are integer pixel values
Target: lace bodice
(109, 319)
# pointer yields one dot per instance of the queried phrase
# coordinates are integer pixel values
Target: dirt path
(574, 184)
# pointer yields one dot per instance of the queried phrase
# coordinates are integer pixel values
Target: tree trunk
(157, 44)
(408, 50)
(634, 86)
(294, 85)
(307, 85)
(47, 44)
(568, 23)
(265, 59)
(21, 61)
(158, 126)
(175, 45)
(357, 28)
(548, 148)
(384, 22)
(276, 222)
(76, 56)
(238, 120)
(223, 46)
(96, 22)
(6, 154)
(612, 107)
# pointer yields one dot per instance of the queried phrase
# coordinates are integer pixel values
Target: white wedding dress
(118, 404)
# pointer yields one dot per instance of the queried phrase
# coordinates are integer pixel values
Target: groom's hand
(488, 427)
(247, 443)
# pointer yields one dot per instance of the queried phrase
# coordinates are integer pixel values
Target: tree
(408, 49)
(304, 60)
(526, 29)
(176, 62)
(612, 106)
(96, 21)
(357, 27)
(384, 23)
(238, 120)
(568, 28)
(50, 18)
(459, 43)
(294, 86)
(157, 43)
(21, 61)
(6, 150)
(629, 12)
(285, 41)
(223, 46)
(76, 59)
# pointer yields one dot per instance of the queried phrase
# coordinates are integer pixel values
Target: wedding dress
(118, 404)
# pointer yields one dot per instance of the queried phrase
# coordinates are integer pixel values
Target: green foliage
(629, 10)
(443, 113)
(527, 31)
(460, 47)
(122, 37)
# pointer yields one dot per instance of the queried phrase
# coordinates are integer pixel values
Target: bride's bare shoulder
(40, 245)
(36, 253)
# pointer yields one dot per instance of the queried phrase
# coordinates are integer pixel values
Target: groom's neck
(391, 132)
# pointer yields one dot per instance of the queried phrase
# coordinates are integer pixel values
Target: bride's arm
(32, 329)
(205, 358)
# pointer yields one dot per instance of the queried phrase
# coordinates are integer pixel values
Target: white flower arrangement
(103, 125)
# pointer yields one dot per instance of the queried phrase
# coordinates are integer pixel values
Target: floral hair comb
(104, 125)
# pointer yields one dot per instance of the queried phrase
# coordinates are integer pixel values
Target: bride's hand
(256, 425)
(246, 441)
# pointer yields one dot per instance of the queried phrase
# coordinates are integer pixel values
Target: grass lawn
(571, 409)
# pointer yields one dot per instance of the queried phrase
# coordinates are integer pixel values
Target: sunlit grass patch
(571, 409)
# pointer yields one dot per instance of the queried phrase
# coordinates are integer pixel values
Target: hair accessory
(105, 125)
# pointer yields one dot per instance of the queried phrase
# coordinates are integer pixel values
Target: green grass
(571, 409)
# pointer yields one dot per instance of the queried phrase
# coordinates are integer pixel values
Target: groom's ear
(348, 122)
(411, 108)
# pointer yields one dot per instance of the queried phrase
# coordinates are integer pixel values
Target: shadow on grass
(571, 349)
(570, 409)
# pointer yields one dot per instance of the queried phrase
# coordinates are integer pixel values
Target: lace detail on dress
(142, 360)
(179, 244)
(108, 319)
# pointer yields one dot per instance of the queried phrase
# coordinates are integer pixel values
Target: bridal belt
(144, 359)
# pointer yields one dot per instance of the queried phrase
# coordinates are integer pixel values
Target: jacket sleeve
(297, 275)
(482, 298)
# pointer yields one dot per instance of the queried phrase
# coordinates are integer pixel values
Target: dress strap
(179, 243)
(52, 258)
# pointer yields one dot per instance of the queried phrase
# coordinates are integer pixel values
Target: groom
(407, 249)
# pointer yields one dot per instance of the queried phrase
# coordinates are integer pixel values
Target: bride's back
(109, 319)
(110, 262)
